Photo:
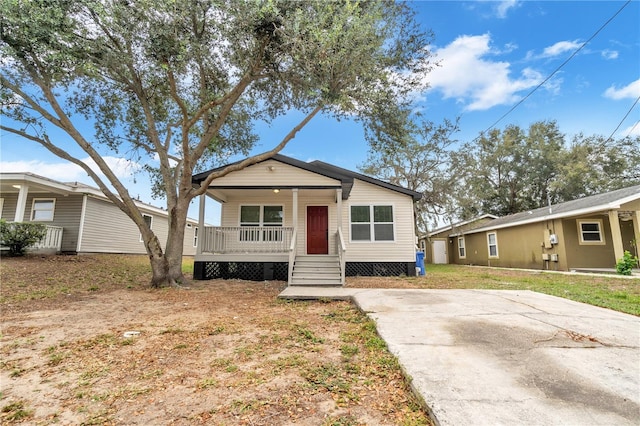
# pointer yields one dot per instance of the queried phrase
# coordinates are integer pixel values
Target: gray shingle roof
(594, 203)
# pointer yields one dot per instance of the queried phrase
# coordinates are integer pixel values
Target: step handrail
(341, 248)
(292, 254)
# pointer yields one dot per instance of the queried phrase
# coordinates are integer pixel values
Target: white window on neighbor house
(492, 241)
(149, 220)
(590, 232)
(42, 209)
(372, 223)
(461, 248)
(261, 216)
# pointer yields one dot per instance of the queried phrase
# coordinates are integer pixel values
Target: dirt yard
(85, 341)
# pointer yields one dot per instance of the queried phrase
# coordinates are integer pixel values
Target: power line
(622, 121)
(558, 69)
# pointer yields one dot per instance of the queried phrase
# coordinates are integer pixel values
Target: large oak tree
(177, 85)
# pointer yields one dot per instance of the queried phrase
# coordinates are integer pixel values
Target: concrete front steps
(316, 270)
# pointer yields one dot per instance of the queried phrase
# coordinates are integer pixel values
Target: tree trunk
(166, 265)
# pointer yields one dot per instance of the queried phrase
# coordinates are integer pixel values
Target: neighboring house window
(42, 209)
(492, 240)
(195, 236)
(461, 249)
(590, 231)
(149, 221)
(372, 223)
(261, 216)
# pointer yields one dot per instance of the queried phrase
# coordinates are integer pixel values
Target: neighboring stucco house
(80, 218)
(437, 245)
(306, 223)
(589, 233)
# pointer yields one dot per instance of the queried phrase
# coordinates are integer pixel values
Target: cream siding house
(79, 218)
(306, 223)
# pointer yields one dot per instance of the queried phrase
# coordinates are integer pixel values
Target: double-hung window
(590, 231)
(42, 209)
(492, 241)
(372, 223)
(261, 223)
(461, 248)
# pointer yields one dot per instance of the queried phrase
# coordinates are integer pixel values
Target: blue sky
(491, 55)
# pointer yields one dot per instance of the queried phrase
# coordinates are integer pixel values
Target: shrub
(626, 264)
(19, 236)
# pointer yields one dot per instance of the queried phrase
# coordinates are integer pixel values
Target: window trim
(150, 224)
(261, 235)
(600, 223)
(372, 224)
(462, 248)
(1, 205)
(33, 209)
(497, 255)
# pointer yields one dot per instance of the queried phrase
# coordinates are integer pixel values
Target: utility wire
(557, 69)
(622, 121)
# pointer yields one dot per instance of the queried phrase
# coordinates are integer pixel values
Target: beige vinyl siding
(9, 206)
(188, 249)
(403, 248)
(66, 215)
(281, 175)
(108, 230)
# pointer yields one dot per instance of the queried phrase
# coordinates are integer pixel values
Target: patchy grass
(617, 293)
(220, 352)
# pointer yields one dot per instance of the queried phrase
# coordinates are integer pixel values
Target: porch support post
(22, 203)
(201, 233)
(294, 215)
(616, 235)
(339, 207)
(636, 228)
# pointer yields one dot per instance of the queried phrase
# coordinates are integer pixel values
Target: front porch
(265, 253)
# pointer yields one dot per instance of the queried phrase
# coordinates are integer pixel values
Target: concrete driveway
(490, 357)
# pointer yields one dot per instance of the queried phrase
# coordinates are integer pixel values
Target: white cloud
(609, 54)
(630, 91)
(503, 7)
(68, 172)
(560, 47)
(468, 76)
(632, 130)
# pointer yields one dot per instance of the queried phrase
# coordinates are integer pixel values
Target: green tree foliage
(514, 170)
(178, 85)
(593, 164)
(415, 153)
(19, 236)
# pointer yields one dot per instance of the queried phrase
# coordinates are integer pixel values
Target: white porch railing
(293, 248)
(341, 248)
(246, 239)
(51, 241)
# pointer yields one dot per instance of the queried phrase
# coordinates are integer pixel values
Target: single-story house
(79, 218)
(437, 245)
(306, 223)
(588, 233)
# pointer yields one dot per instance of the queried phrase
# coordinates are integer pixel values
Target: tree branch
(260, 157)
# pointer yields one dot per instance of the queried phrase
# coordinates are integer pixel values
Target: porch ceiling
(226, 194)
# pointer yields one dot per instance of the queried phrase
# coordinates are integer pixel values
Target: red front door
(317, 230)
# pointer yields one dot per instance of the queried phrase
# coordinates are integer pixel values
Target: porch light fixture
(275, 191)
(16, 186)
(271, 168)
